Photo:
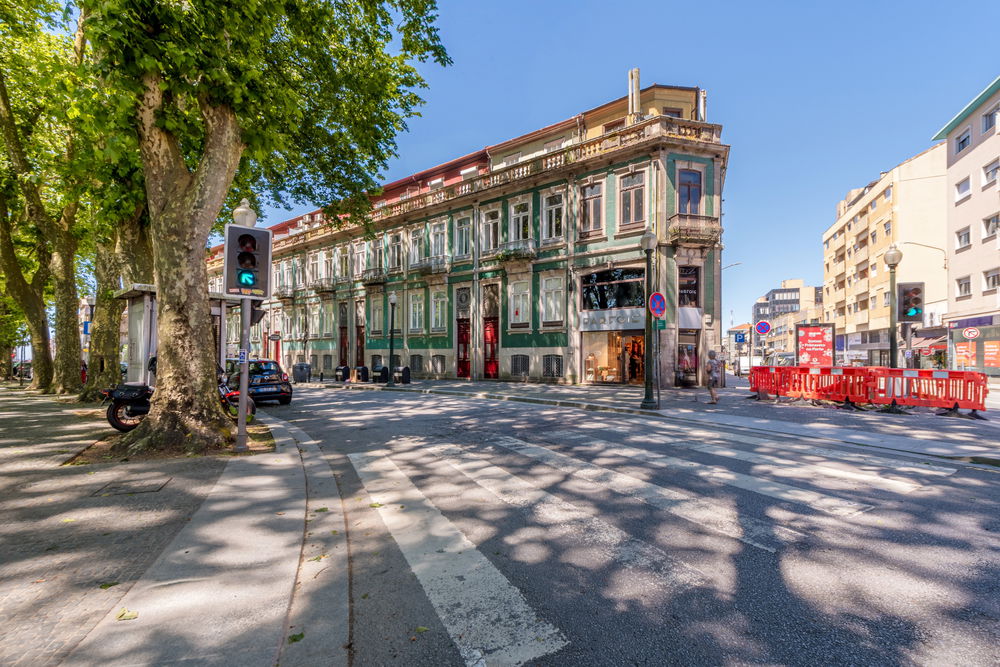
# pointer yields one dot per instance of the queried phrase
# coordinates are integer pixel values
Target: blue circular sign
(657, 304)
(763, 327)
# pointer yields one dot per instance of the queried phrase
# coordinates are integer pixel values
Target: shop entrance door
(463, 367)
(634, 359)
(359, 346)
(343, 347)
(491, 366)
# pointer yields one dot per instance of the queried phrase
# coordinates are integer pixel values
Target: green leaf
(296, 638)
(322, 509)
(108, 585)
(126, 615)
(420, 628)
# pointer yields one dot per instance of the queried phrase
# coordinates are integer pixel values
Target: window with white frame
(396, 251)
(314, 323)
(377, 314)
(417, 311)
(286, 269)
(328, 317)
(689, 191)
(553, 300)
(520, 221)
(591, 197)
(990, 172)
(887, 195)
(287, 324)
(491, 230)
(963, 238)
(963, 286)
(328, 264)
(314, 266)
(887, 228)
(963, 140)
(873, 204)
(343, 259)
(991, 225)
(359, 258)
(439, 311)
(552, 216)
(377, 253)
(416, 245)
(463, 236)
(520, 303)
(874, 236)
(885, 299)
(990, 119)
(991, 279)
(439, 239)
(632, 197)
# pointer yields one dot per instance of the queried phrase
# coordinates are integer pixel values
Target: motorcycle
(130, 403)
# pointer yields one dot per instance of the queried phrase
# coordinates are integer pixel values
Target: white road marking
(763, 535)
(487, 617)
(805, 469)
(563, 519)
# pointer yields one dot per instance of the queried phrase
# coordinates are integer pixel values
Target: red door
(491, 367)
(360, 346)
(343, 347)
(464, 368)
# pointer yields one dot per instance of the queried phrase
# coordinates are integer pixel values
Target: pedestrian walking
(713, 369)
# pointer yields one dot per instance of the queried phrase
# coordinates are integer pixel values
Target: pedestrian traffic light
(247, 268)
(910, 302)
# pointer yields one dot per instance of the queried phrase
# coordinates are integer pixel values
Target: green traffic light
(246, 278)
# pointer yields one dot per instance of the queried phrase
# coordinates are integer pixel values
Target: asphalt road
(497, 533)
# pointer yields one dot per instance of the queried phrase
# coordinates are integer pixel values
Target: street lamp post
(392, 337)
(893, 256)
(648, 244)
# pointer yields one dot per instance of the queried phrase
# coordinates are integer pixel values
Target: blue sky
(814, 98)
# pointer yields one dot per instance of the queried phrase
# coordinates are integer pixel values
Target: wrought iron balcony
(324, 284)
(431, 264)
(699, 230)
(373, 276)
(515, 250)
(283, 293)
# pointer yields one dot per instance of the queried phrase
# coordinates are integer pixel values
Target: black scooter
(130, 402)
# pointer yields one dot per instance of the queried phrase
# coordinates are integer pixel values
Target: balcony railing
(431, 264)
(686, 229)
(284, 293)
(373, 276)
(519, 249)
(324, 284)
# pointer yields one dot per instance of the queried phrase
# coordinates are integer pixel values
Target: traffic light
(247, 268)
(910, 302)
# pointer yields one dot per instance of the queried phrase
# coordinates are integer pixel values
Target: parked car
(268, 382)
(22, 369)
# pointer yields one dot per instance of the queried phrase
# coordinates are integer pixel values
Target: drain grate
(130, 486)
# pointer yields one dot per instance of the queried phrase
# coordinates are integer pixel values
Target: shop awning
(935, 343)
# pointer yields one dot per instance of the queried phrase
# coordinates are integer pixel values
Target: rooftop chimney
(634, 109)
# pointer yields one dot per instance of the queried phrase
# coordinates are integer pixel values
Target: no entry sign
(970, 333)
(657, 304)
(763, 327)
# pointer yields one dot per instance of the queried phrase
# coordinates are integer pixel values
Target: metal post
(20, 367)
(392, 338)
(647, 400)
(241, 421)
(893, 343)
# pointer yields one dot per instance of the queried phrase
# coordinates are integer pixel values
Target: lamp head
(243, 215)
(392, 298)
(648, 240)
(893, 256)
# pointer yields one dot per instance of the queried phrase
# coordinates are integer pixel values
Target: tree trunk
(41, 353)
(135, 252)
(66, 379)
(104, 369)
(185, 412)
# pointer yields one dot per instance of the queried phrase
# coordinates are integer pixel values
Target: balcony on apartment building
(373, 276)
(860, 286)
(518, 249)
(430, 264)
(686, 229)
(861, 253)
(323, 284)
(283, 293)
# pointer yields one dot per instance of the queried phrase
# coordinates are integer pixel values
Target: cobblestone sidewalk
(73, 539)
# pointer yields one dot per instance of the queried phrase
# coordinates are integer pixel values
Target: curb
(990, 461)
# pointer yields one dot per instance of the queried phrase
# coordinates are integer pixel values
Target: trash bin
(402, 375)
(361, 373)
(301, 372)
(342, 373)
(380, 374)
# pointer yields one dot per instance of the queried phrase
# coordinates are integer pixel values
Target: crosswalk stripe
(760, 534)
(487, 617)
(803, 468)
(561, 518)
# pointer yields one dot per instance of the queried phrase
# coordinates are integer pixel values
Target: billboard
(814, 345)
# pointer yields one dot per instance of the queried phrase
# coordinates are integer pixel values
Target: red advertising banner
(814, 344)
(965, 353)
(991, 353)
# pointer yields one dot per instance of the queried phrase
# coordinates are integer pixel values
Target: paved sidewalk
(921, 432)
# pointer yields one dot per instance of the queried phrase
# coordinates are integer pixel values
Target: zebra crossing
(489, 619)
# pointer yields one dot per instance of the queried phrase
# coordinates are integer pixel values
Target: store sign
(612, 319)
(965, 353)
(814, 345)
(991, 353)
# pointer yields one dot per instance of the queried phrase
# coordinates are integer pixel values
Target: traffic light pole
(241, 421)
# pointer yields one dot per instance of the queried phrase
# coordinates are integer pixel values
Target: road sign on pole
(970, 332)
(659, 324)
(657, 304)
(763, 327)
(740, 338)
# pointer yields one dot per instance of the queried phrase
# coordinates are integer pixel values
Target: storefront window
(613, 357)
(688, 286)
(616, 288)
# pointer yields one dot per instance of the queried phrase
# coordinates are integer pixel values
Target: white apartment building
(973, 197)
